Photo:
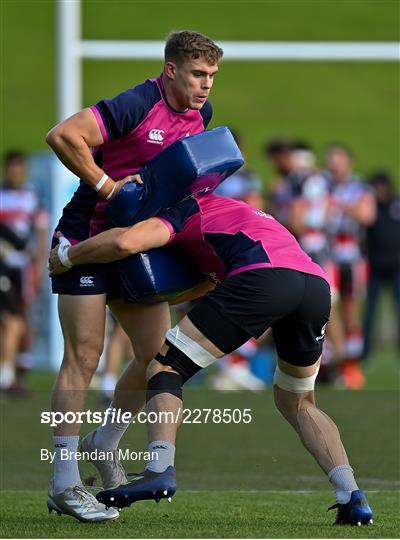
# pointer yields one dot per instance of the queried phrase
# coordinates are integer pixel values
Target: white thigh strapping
(188, 346)
(294, 384)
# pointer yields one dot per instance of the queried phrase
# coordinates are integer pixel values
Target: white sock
(342, 479)
(163, 453)
(107, 437)
(66, 472)
(7, 374)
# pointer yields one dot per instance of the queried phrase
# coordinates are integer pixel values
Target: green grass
(320, 102)
(235, 480)
(217, 514)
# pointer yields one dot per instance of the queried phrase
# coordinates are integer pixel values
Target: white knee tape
(294, 384)
(191, 348)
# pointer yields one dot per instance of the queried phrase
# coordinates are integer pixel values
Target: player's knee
(154, 367)
(295, 385)
(291, 394)
(82, 360)
(184, 354)
(183, 358)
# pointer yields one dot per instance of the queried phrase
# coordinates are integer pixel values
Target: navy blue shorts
(87, 279)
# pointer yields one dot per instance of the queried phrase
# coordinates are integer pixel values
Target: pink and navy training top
(136, 126)
(225, 237)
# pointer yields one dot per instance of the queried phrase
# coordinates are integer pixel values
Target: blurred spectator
(383, 254)
(352, 207)
(293, 162)
(23, 256)
(309, 220)
(244, 185)
(281, 191)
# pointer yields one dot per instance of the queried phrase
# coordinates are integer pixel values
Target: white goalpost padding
(71, 49)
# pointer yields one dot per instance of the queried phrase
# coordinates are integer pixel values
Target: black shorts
(295, 305)
(87, 279)
(11, 290)
(352, 279)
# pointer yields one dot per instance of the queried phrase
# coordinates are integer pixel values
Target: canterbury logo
(323, 330)
(86, 281)
(156, 136)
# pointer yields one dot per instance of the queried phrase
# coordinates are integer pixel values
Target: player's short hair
(186, 45)
(12, 156)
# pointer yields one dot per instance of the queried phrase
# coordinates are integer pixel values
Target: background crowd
(347, 224)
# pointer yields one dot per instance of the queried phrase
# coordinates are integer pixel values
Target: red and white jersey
(20, 215)
(345, 231)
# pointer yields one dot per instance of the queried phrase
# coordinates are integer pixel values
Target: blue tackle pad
(189, 166)
(157, 275)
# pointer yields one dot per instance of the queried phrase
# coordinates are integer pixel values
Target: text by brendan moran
(98, 455)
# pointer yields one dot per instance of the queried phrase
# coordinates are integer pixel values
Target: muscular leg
(318, 433)
(145, 325)
(82, 321)
(165, 431)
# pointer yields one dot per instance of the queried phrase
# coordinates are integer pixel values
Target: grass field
(235, 480)
(216, 514)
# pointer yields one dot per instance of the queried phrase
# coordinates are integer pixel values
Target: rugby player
(105, 145)
(263, 279)
(352, 207)
(23, 252)
(309, 220)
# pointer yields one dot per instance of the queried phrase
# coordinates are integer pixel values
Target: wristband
(111, 192)
(62, 252)
(101, 182)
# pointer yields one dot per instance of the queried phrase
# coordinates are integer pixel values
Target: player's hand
(55, 265)
(120, 183)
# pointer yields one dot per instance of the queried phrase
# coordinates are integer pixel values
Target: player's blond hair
(187, 45)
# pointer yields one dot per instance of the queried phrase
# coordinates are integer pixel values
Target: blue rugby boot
(147, 485)
(355, 512)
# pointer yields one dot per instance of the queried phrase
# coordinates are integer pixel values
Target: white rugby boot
(79, 503)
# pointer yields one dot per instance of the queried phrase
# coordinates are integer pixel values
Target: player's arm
(72, 141)
(110, 245)
(297, 217)
(363, 211)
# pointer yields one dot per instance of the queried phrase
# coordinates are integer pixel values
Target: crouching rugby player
(264, 279)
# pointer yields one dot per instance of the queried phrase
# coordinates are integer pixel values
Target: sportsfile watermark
(113, 415)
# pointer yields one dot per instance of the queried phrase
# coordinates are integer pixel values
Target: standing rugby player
(105, 145)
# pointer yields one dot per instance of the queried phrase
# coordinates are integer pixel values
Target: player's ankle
(162, 456)
(343, 482)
